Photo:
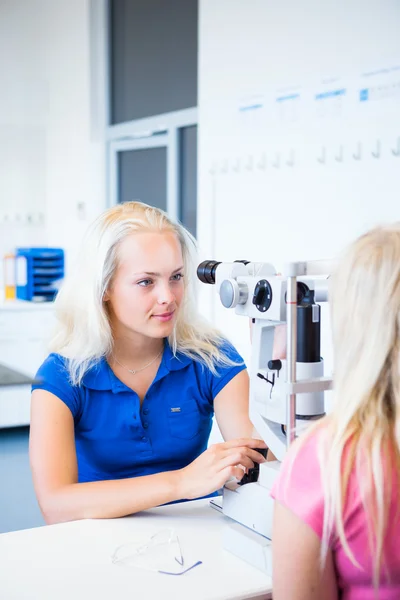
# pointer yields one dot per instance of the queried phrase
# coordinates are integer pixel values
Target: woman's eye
(145, 282)
(177, 277)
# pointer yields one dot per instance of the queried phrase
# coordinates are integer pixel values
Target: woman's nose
(165, 295)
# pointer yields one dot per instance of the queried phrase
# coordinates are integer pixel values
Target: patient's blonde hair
(364, 426)
(83, 334)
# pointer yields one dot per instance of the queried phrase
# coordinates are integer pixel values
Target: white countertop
(18, 305)
(73, 560)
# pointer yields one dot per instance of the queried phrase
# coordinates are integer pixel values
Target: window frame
(150, 132)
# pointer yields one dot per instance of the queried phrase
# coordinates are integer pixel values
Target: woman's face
(147, 288)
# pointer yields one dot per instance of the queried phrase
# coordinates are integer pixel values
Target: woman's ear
(106, 296)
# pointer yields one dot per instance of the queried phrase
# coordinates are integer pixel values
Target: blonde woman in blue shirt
(123, 410)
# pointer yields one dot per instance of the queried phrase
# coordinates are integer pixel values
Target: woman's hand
(214, 467)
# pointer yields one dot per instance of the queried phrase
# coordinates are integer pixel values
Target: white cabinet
(25, 330)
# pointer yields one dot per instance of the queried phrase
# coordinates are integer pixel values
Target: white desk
(72, 561)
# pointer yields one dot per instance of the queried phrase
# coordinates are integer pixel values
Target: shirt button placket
(145, 411)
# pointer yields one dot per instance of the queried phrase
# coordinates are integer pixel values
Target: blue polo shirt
(116, 438)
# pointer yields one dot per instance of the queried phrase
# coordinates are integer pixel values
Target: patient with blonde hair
(337, 510)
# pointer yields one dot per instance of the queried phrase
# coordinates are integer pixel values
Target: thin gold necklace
(133, 371)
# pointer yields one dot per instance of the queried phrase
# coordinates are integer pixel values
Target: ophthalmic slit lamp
(285, 394)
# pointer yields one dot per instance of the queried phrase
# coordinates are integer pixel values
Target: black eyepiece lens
(206, 271)
(303, 292)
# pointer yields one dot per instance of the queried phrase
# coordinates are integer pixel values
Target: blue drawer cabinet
(38, 272)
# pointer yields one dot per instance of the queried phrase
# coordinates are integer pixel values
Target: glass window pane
(153, 62)
(142, 175)
(188, 182)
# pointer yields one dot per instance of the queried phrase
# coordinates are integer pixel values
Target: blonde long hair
(364, 426)
(83, 334)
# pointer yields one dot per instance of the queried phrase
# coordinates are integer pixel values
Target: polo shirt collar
(101, 376)
(174, 362)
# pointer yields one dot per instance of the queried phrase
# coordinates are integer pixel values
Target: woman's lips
(165, 316)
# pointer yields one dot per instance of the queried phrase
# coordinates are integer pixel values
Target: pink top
(300, 490)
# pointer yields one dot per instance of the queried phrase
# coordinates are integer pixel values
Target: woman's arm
(296, 560)
(231, 407)
(62, 498)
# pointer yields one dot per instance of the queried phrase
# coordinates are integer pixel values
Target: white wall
(253, 52)
(52, 107)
